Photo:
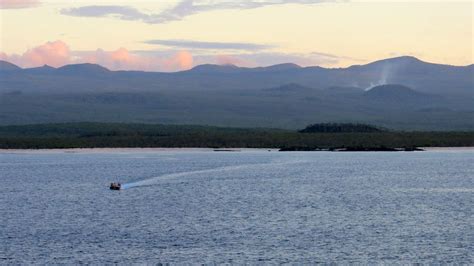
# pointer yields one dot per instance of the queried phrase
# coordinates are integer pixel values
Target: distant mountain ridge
(5, 65)
(83, 69)
(401, 93)
(410, 71)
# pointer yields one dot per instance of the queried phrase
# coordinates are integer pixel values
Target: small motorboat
(115, 186)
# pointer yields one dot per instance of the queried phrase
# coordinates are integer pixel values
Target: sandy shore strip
(446, 149)
(131, 150)
(160, 150)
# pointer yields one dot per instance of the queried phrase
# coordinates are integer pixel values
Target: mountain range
(400, 93)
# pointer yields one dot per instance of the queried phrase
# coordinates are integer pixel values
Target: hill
(6, 66)
(427, 97)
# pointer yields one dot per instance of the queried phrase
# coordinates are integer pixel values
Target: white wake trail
(158, 179)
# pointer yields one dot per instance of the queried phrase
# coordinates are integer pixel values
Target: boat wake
(159, 179)
(435, 190)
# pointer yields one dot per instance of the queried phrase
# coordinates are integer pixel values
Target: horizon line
(240, 67)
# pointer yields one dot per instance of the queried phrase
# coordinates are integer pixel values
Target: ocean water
(236, 207)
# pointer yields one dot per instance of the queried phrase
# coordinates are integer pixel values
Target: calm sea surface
(236, 207)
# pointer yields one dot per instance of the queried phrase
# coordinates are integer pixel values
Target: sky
(176, 35)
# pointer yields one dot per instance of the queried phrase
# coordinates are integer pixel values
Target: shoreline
(233, 150)
(467, 148)
(125, 150)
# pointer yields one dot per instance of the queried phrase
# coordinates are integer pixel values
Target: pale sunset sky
(177, 35)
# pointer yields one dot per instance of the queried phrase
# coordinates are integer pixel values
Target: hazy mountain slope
(6, 66)
(421, 76)
(236, 108)
(286, 96)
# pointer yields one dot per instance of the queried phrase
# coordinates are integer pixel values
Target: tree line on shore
(314, 137)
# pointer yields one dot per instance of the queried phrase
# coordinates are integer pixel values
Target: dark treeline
(94, 135)
(339, 128)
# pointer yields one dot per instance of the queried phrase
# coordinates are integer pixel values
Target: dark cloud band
(189, 44)
(183, 9)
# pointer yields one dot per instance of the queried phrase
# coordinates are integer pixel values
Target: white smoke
(385, 76)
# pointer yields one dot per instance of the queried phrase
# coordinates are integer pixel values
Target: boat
(115, 186)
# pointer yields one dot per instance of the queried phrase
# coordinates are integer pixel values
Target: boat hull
(115, 186)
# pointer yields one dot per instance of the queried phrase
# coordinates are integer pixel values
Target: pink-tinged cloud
(15, 4)
(122, 59)
(57, 54)
(181, 61)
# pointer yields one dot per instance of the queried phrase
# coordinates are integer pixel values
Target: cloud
(57, 54)
(181, 60)
(16, 4)
(337, 57)
(122, 59)
(120, 12)
(262, 58)
(270, 58)
(183, 9)
(189, 7)
(189, 44)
